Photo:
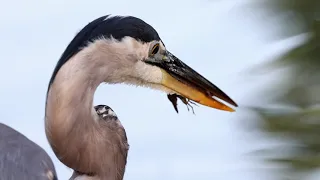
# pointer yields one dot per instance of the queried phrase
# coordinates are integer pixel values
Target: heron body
(22, 159)
(112, 50)
(113, 124)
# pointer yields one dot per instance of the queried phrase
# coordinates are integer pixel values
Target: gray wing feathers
(22, 159)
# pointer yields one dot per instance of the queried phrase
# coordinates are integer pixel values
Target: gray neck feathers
(77, 137)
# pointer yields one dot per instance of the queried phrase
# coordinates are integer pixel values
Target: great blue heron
(112, 49)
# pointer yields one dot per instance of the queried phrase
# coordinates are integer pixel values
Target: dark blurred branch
(299, 124)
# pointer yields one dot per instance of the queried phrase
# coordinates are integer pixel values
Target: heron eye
(155, 49)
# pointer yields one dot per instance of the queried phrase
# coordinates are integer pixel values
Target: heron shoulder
(112, 122)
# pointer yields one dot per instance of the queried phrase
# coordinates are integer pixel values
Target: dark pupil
(155, 49)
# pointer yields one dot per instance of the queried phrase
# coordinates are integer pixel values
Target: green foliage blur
(296, 118)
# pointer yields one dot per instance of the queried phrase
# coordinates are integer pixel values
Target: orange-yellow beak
(192, 93)
(187, 83)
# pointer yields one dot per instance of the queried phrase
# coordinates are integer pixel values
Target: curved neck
(77, 137)
(69, 112)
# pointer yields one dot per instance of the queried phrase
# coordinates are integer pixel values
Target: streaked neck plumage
(73, 129)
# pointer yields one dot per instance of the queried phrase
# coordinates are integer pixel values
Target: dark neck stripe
(116, 26)
(77, 42)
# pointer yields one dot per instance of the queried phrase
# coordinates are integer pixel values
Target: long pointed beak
(182, 79)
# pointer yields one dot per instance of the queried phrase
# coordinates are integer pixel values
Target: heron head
(177, 78)
(140, 57)
(155, 66)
